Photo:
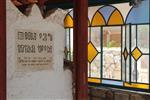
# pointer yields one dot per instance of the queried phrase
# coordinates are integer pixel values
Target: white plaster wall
(53, 84)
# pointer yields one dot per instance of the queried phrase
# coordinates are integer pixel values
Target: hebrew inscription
(34, 49)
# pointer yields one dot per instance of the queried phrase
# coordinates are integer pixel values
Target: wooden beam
(2, 49)
(41, 2)
(80, 48)
(59, 1)
(68, 4)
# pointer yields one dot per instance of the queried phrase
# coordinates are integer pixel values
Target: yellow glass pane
(116, 18)
(125, 54)
(92, 52)
(136, 53)
(98, 19)
(136, 85)
(93, 80)
(68, 22)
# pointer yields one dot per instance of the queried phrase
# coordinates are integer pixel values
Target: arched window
(68, 25)
(136, 48)
(105, 38)
(118, 49)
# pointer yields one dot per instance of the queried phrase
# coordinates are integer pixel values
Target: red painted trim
(2, 49)
(80, 48)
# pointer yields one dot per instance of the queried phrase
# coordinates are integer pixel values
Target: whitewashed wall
(52, 84)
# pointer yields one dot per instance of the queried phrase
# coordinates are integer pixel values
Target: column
(80, 48)
(2, 49)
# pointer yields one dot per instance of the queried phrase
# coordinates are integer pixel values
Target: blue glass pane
(106, 11)
(139, 14)
(112, 82)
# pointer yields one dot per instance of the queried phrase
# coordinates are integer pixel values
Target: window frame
(94, 81)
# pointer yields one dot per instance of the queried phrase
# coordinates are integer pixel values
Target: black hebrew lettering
(26, 36)
(26, 48)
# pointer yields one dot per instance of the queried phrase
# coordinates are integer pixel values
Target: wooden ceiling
(65, 4)
(59, 1)
(70, 1)
(47, 5)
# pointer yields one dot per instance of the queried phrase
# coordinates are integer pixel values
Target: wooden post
(80, 48)
(2, 49)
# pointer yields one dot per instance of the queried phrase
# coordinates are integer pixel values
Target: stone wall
(112, 63)
(42, 84)
(114, 94)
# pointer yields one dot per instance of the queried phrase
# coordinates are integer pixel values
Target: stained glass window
(68, 24)
(118, 46)
(68, 21)
(139, 55)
